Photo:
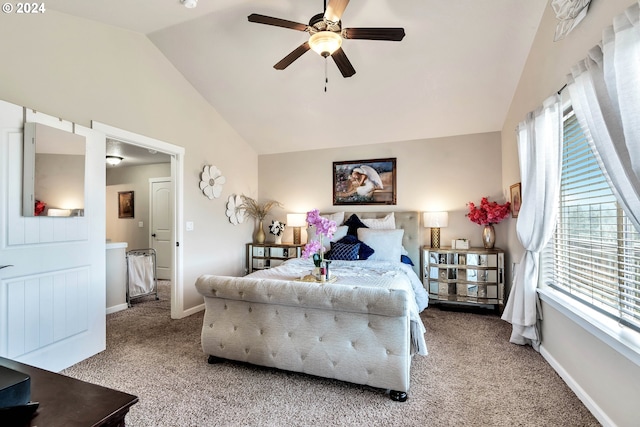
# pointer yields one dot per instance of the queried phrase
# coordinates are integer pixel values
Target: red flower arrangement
(488, 213)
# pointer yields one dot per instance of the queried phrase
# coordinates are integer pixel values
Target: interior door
(52, 298)
(162, 225)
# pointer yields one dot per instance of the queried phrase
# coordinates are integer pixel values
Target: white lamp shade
(436, 219)
(296, 220)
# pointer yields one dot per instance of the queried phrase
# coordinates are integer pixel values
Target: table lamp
(435, 221)
(296, 221)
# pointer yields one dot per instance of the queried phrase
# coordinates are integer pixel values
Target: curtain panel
(605, 94)
(539, 153)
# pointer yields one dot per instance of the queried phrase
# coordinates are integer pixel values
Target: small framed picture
(125, 204)
(516, 200)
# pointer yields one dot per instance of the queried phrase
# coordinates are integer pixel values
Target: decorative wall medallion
(235, 214)
(212, 181)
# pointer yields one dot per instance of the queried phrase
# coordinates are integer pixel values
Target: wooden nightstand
(472, 276)
(267, 255)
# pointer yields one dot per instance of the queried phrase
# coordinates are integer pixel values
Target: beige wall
(81, 71)
(604, 375)
(432, 174)
(136, 179)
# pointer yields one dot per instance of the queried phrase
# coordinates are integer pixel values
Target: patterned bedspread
(366, 273)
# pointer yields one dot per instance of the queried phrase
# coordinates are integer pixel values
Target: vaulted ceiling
(454, 73)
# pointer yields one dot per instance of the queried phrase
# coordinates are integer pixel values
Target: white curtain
(605, 93)
(539, 152)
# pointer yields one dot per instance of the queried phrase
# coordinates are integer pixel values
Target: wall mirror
(53, 172)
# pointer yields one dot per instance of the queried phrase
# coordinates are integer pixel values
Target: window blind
(594, 255)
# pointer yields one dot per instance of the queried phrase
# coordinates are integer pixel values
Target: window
(594, 255)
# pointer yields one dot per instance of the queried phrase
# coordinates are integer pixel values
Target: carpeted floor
(472, 377)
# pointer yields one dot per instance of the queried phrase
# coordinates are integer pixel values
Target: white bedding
(390, 275)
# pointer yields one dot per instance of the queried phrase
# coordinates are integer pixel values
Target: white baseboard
(116, 308)
(591, 405)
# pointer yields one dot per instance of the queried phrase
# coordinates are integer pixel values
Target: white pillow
(386, 223)
(338, 217)
(339, 234)
(387, 244)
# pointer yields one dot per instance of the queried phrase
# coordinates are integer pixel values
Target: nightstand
(472, 276)
(267, 255)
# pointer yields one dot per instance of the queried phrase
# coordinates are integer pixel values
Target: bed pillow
(354, 223)
(344, 251)
(386, 223)
(405, 259)
(364, 252)
(338, 217)
(339, 234)
(387, 244)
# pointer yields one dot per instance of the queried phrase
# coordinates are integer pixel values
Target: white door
(162, 225)
(52, 299)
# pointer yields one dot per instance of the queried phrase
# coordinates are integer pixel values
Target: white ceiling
(454, 73)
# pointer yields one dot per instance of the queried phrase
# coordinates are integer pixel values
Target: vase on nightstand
(488, 236)
(260, 236)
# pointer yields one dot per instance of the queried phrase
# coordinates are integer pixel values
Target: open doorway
(146, 160)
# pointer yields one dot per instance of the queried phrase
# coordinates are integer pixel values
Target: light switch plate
(189, 225)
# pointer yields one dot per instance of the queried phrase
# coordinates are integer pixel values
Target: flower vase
(278, 240)
(260, 236)
(488, 236)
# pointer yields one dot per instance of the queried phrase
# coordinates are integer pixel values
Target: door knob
(153, 235)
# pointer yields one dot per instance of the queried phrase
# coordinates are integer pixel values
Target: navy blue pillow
(365, 250)
(344, 251)
(354, 223)
(405, 259)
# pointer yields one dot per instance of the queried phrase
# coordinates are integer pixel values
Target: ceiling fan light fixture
(325, 43)
(189, 4)
(114, 160)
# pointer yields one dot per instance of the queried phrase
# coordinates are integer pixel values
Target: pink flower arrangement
(488, 213)
(324, 227)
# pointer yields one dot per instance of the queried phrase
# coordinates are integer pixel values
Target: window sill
(624, 340)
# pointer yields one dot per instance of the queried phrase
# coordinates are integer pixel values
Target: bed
(362, 327)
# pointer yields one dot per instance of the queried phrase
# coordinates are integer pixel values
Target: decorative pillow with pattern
(344, 251)
(365, 251)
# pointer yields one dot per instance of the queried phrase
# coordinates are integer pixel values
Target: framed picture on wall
(516, 200)
(364, 182)
(125, 204)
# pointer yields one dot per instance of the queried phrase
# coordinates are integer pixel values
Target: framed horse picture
(364, 182)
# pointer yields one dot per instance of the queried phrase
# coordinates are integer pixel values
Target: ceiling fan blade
(334, 11)
(390, 34)
(287, 60)
(268, 20)
(343, 63)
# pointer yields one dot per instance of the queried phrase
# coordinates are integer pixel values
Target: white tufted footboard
(350, 333)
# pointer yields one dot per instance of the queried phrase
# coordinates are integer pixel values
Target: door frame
(151, 182)
(177, 174)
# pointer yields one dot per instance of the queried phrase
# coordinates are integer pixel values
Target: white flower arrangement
(276, 228)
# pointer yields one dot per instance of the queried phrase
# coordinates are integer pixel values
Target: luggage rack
(142, 280)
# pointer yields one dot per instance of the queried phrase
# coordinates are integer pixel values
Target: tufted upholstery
(350, 333)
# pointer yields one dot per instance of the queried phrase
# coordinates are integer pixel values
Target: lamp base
(435, 237)
(296, 235)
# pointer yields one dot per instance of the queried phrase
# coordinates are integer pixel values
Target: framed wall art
(364, 182)
(125, 204)
(516, 200)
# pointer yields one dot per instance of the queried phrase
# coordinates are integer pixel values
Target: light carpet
(472, 376)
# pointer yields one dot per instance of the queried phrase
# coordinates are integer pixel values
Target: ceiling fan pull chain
(326, 78)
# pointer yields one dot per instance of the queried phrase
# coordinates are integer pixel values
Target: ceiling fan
(326, 35)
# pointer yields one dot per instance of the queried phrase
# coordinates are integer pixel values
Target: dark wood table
(68, 402)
